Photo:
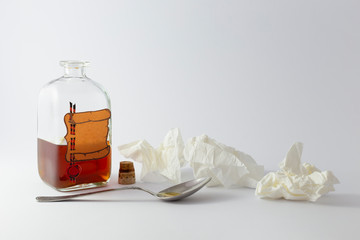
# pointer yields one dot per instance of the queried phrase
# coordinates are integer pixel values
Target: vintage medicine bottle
(74, 131)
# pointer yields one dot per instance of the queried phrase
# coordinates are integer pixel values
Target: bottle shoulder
(73, 83)
(74, 89)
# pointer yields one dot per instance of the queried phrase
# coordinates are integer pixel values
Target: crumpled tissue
(296, 181)
(226, 165)
(158, 164)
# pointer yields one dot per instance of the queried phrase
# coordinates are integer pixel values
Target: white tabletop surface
(254, 75)
(212, 213)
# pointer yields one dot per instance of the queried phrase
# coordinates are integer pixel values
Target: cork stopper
(126, 173)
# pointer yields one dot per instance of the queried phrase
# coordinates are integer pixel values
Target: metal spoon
(173, 193)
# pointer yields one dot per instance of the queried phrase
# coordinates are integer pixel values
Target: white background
(254, 75)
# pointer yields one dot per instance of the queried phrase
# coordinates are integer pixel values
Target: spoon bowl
(182, 190)
(173, 193)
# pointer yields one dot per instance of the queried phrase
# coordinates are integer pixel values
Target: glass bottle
(74, 131)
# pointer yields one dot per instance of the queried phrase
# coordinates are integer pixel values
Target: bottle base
(83, 186)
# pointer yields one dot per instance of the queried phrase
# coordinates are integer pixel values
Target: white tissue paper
(296, 181)
(160, 164)
(226, 165)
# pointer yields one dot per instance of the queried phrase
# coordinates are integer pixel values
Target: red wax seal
(74, 171)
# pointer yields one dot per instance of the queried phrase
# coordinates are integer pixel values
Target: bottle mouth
(74, 63)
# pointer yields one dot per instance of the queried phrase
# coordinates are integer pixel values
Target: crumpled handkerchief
(158, 164)
(296, 181)
(226, 165)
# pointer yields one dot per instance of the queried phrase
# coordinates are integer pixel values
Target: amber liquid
(54, 169)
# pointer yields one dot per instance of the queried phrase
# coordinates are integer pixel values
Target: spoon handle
(68, 197)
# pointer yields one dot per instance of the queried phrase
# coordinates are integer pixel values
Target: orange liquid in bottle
(59, 173)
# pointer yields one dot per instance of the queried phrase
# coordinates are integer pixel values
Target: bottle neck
(71, 71)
